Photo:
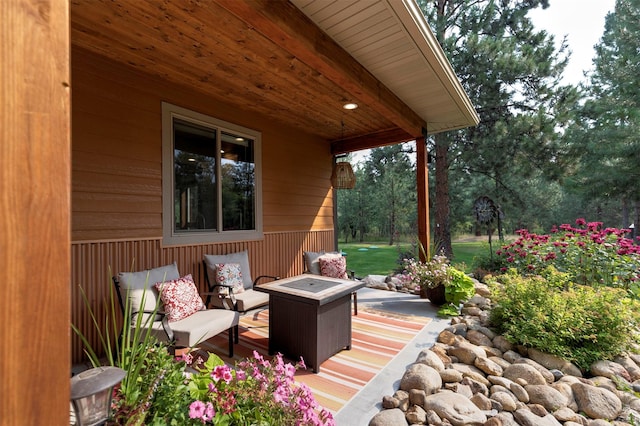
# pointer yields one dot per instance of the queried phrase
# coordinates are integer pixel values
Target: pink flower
(196, 410)
(580, 221)
(593, 226)
(222, 372)
(209, 412)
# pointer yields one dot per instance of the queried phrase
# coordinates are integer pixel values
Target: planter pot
(436, 295)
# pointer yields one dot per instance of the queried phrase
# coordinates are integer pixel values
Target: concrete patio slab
(368, 401)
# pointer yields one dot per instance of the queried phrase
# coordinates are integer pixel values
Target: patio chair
(181, 318)
(332, 264)
(228, 277)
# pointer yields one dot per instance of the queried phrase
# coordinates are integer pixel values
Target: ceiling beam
(288, 27)
(373, 140)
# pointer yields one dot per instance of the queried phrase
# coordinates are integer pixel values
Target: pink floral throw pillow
(180, 298)
(333, 266)
(229, 274)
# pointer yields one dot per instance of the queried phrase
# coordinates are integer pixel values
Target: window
(210, 179)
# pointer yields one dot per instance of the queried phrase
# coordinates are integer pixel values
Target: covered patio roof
(294, 62)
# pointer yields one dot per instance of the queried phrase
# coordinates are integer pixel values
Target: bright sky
(582, 21)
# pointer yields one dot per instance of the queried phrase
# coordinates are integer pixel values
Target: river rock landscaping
(474, 376)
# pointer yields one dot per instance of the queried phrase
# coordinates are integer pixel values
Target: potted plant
(431, 276)
(459, 287)
(444, 285)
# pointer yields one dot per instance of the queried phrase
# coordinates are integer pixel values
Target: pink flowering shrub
(256, 392)
(588, 253)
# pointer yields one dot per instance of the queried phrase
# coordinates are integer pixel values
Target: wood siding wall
(117, 155)
(117, 186)
(93, 263)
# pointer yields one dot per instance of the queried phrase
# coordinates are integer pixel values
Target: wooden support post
(422, 176)
(35, 218)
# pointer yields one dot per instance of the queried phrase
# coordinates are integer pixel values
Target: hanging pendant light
(342, 176)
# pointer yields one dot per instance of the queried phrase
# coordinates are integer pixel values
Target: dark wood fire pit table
(309, 317)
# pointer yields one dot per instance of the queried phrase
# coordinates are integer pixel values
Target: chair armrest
(255, 282)
(231, 296)
(165, 323)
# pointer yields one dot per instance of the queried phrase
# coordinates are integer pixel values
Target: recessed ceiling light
(350, 105)
(239, 139)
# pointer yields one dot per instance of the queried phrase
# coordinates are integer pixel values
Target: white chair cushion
(251, 299)
(203, 325)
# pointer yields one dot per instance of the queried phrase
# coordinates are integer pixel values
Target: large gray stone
(595, 402)
(610, 370)
(451, 376)
(447, 337)
(552, 362)
(430, 358)
(421, 376)
(547, 396)
(487, 366)
(500, 361)
(457, 409)
(511, 356)
(466, 352)
(503, 344)
(392, 417)
(478, 338)
(506, 399)
(526, 372)
(629, 365)
(526, 417)
(565, 389)
(548, 375)
(520, 392)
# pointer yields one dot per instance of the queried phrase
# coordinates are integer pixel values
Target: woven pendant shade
(343, 176)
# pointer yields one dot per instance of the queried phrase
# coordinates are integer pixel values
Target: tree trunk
(625, 213)
(442, 226)
(442, 231)
(636, 220)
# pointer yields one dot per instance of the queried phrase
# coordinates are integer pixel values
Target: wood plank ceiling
(295, 64)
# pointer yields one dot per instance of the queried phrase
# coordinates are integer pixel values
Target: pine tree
(512, 75)
(607, 134)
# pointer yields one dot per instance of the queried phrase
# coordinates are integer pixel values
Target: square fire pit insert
(311, 285)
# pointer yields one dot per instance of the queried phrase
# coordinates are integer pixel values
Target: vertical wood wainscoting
(93, 263)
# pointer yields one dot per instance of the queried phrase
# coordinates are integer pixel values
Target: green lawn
(381, 259)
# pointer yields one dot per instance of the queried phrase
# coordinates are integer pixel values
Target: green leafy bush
(579, 323)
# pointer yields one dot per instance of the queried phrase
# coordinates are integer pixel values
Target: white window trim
(169, 236)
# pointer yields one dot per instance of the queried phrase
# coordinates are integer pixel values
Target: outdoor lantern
(343, 176)
(91, 394)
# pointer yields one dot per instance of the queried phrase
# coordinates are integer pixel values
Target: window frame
(169, 235)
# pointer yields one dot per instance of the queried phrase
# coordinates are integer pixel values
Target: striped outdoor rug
(376, 338)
